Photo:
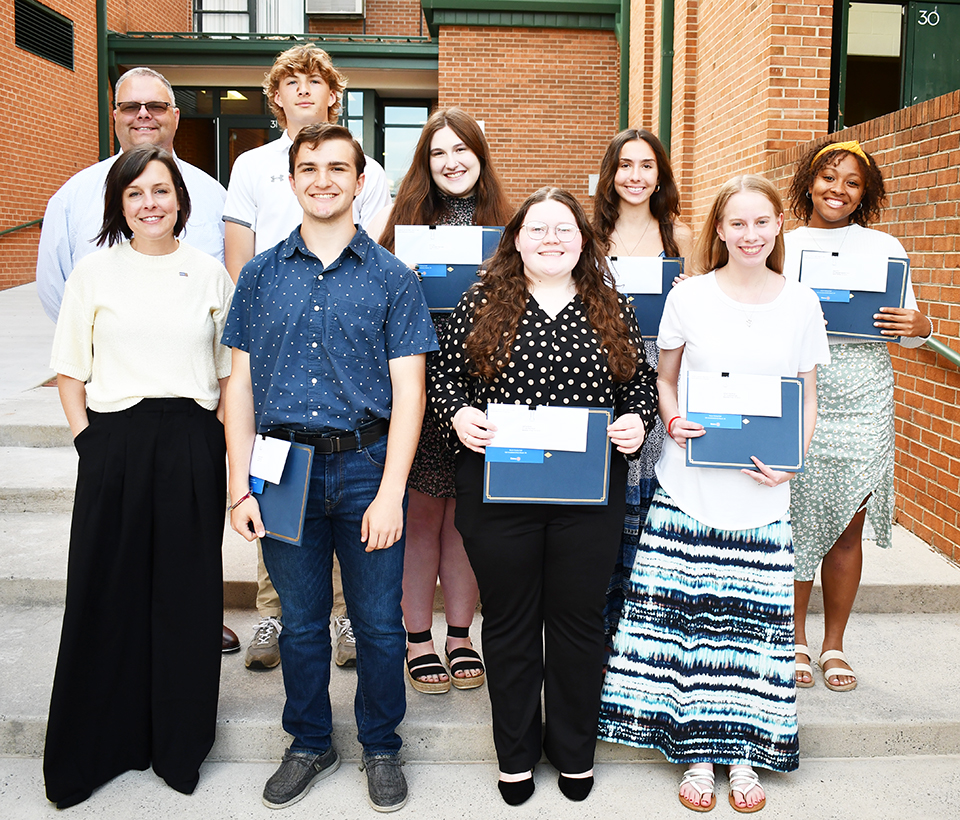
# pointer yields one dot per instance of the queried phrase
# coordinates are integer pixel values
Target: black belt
(336, 441)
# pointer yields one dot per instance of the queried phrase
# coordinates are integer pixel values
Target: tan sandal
(703, 780)
(836, 671)
(800, 649)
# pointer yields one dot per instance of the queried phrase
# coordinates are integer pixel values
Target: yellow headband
(853, 147)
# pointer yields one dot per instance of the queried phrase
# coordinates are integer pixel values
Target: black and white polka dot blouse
(554, 361)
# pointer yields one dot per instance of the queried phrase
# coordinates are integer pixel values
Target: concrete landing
(915, 788)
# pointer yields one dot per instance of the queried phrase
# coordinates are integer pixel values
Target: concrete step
(910, 577)
(34, 419)
(907, 703)
(34, 567)
(917, 788)
(37, 479)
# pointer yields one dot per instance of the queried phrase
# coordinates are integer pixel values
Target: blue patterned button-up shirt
(320, 338)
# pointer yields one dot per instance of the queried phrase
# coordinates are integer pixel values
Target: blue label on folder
(512, 455)
(256, 484)
(826, 295)
(432, 270)
(719, 421)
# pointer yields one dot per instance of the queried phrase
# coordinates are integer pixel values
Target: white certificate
(268, 458)
(847, 271)
(441, 245)
(637, 274)
(539, 428)
(733, 394)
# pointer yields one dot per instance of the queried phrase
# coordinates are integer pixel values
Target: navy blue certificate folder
(443, 285)
(648, 307)
(561, 477)
(850, 313)
(777, 442)
(284, 505)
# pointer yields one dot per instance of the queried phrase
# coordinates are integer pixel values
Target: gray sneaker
(386, 785)
(264, 649)
(345, 653)
(297, 773)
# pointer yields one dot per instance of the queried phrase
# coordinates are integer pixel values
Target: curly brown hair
(664, 203)
(418, 200)
(305, 59)
(809, 168)
(503, 294)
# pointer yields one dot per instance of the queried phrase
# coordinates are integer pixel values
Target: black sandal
(464, 659)
(426, 665)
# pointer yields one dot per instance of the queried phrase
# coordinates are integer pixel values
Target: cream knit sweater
(134, 326)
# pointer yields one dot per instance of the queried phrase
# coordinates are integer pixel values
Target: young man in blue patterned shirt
(330, 334)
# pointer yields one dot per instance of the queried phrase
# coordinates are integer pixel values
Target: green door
(931, 64)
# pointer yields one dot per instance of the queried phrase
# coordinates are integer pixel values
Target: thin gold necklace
(621, 243)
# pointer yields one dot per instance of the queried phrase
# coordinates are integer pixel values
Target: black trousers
(543, 571)
(138, 671)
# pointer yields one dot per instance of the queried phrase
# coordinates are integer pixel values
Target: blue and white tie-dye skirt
(703, 663)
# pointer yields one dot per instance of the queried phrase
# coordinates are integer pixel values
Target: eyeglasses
(565, 232)
(154, 107)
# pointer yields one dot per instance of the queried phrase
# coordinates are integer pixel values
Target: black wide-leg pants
(138, 672)
(543, 572)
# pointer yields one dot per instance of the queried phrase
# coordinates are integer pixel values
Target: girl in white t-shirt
(702, 667)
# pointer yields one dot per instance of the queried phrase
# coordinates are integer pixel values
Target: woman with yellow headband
(837, 190)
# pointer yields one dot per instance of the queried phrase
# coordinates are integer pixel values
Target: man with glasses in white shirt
(144, 111)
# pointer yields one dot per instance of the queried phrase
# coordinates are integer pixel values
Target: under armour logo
(278, 177)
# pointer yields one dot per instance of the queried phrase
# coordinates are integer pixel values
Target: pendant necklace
(621, 243)
(748, 319)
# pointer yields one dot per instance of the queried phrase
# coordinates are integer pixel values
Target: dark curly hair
(809, 168)
(502, 296)
(664, 203)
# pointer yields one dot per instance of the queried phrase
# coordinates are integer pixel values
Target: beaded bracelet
(239, 501)
(670, 424)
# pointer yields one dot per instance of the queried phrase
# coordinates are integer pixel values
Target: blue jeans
(342, 485)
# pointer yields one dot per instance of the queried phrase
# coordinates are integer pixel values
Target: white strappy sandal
(836, 671)
(801, 649)
(742, 779)
(703, 781)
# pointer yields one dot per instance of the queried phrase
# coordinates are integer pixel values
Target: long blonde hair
(711, 251)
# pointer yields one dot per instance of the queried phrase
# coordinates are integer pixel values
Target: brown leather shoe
(231, 643)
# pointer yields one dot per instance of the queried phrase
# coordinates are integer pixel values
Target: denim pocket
(376, 453)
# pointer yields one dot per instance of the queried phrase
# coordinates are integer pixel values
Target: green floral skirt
(851, 455)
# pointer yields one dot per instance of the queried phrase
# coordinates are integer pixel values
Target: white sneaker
(345, 653)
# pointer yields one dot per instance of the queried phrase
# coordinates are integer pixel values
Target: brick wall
(918, 150)
(750, 77)
(400, 18)
(149, 15)
(644, 59)
(549, 98)
(29, 132)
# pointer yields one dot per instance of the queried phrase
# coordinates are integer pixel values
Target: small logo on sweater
(278, 177)
(184, 273)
